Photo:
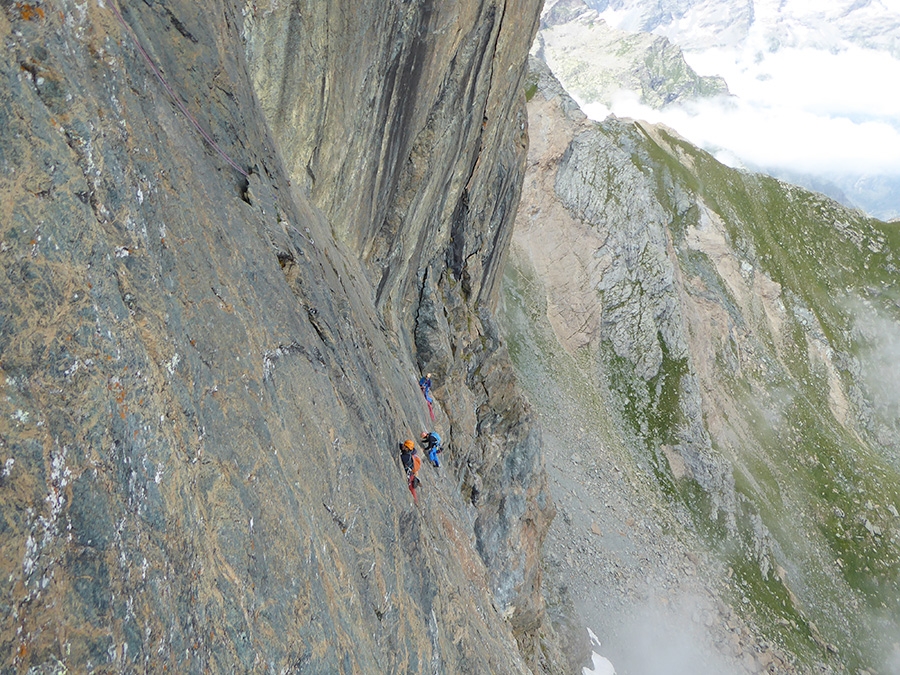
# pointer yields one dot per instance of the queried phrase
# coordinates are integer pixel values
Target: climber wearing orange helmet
(407, 450)
(411, 464)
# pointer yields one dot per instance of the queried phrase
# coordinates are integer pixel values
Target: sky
(801, 109)
(833, 113)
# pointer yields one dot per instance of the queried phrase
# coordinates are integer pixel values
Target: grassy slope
(820, 489)
(816, 555)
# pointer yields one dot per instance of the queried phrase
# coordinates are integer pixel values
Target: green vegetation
(806, 423)
(806, 475)
(531, 85)
(767, 600)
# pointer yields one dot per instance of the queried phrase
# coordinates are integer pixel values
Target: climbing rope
(178, 102)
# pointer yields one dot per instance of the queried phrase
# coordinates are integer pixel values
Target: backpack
(406, 460)
(417, 463)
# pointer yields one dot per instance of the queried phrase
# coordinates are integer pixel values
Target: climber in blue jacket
(432, 442)
(425, 386)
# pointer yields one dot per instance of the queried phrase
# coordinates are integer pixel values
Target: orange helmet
(424, 435)
(408, 444)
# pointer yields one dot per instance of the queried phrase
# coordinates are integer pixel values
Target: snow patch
(600, 665)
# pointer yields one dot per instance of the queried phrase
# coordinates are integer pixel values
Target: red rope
(181, 106)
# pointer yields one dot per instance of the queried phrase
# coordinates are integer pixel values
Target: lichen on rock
(207, 368)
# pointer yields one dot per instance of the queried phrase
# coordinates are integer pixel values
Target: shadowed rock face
(417, 159)
(404, 125)
(206, 375)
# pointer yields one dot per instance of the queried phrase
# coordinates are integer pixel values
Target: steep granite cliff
(210, 354)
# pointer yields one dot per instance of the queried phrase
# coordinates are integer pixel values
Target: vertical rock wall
(417, 157)
(405, 124)
(202, 399)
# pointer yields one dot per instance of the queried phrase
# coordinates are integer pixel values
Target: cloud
(877, 335)
(663, 636)
(667, 642)
(796, 110)
(851, 82)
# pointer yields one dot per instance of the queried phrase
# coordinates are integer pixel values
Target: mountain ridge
(597, 62)
(726, 365)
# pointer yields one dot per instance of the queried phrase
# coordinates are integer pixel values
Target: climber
(407, 450)
(411, 464)
(425, 386)
(432, 442)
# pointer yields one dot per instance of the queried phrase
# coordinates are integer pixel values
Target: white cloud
(797, 110)
(815, 95)
(852, 82)
(663, 641)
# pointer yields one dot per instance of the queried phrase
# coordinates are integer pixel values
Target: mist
(662, 640)
(807, 106)
(878, 336)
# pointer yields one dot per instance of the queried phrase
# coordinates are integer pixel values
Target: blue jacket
(425, 386)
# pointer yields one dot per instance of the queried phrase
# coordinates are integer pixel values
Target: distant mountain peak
(596, 62)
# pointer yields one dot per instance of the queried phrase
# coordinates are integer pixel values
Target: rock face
(436, 105)
(209, 357)
(735, 330)
(621, 304)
